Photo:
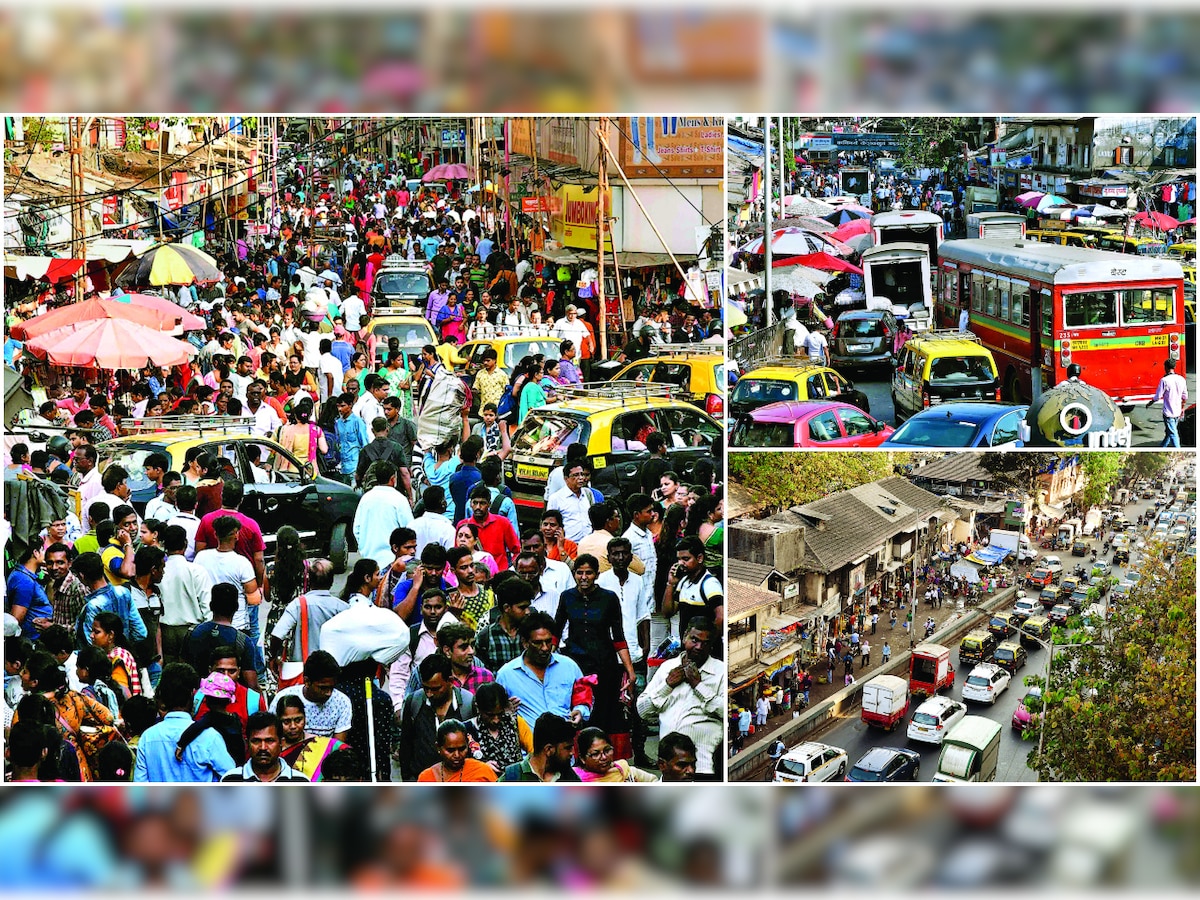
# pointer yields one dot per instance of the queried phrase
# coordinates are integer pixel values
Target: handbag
(292, 673)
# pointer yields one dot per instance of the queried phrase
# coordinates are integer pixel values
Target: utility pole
(767, 302)
(78, 245)
(601, 220)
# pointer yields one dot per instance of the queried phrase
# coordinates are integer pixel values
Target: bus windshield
(1136, 306)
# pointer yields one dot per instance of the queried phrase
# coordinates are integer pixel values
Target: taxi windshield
(550, 433)
(760, 391)
(409, 283)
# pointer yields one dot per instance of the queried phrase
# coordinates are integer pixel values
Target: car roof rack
(797, 362)
(696, 349)
(620, 392)
(201, 424)
(947, 334)
(531, 331)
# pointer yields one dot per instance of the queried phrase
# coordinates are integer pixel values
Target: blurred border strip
(323, 57)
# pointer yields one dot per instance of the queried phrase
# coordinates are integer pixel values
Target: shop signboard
(671, 146)
(536, 204)
(574, 216)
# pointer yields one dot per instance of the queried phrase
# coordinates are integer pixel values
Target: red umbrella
(850, 229)
(1191, 221)
(1156, 220)
(110, 344)
(191, 321)
(826, 262)
(76, 314)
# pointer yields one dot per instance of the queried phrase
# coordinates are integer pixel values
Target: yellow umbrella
(734, 316)
(171, 264)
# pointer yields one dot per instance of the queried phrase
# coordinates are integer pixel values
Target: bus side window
(1047, 314)
(990, 302)
(1020, 304)
(976, 291)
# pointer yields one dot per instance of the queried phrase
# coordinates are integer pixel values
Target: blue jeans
(1171, 427)
(252, 631)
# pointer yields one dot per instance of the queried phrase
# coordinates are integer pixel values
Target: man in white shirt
(964, 319)
(186, 518)
(573, 502)
(381, 511)
(354, 311)
(630, 590)
(241, 377)
(185, 590)
(312, 348)
(572, 328)
(162, 508)
(817, 346)
(266, 420)
(640, 508)
(529, 569)
(225, 565)
(555, 575)
(432, 526)
(369, 406)
(329, 372)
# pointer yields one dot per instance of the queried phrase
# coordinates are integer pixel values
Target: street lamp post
(1050, 647)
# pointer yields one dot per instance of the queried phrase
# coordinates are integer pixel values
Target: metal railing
(948, 334)
(620, 391)
(749, 348)
(201, 424)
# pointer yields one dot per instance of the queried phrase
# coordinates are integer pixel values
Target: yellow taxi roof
(786, 372)
(963, 347)
(402, 318)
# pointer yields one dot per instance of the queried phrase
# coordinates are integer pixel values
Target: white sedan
(934, 718)
(986, 683)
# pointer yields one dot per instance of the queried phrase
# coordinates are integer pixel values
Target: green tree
(1147, 465)
(1121, 704)
(1017, 472)
(1102, 471)
(934, 141)
(780, 480)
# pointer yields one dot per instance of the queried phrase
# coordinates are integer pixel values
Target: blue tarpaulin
(989, 556)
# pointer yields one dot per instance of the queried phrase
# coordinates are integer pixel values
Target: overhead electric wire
(28, 160)
(617, 125)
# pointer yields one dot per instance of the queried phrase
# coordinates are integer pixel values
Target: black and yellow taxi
(279, 489)
(694, 369)
(613, 421)
(977, 646)
(942, 366)
(783, 378)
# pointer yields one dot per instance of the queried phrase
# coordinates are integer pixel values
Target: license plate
(860, 348)
(534, 473)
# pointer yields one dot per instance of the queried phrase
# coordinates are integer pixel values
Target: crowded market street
(345, 456)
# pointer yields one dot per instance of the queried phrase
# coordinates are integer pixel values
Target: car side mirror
(895, 363)
(310, 473)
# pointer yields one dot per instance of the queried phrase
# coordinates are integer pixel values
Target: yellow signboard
(573, 221)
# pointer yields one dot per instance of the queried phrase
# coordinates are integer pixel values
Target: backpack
(505, 406)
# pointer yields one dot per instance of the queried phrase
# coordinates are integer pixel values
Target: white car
(1053, 563)
(812, 762)
(934, 718)
(985, 683)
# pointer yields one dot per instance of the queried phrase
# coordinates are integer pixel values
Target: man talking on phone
(694, 591)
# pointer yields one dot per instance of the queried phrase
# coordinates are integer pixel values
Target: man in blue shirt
(540, 678)
(430, 244)
(465, 478)
(104, 597)
(484, 248)
(25, 598)
(351, 433)
(205, 760)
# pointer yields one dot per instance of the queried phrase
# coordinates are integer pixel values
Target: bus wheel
(1012, 388)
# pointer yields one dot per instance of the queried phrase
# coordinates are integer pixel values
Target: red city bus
(1118, 316)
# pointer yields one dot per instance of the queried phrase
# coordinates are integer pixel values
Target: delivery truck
(970, 752)
(929, 669)
(1017, 543)
(884, 701)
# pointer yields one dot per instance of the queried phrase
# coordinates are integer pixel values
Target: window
(687, 427)
(855, 422)
(227, 456)
(269, 466)
(1147, 306)
(629, 431)
(976, 291)
(1004, 287)
(1090, 309)
(824, 427)
(837, 385)
(1020, 305)
(640, 373)
(1007, 429)
(816, 387)
(1047, 314)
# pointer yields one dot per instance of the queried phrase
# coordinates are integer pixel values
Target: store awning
(773, 659)
(1051, 510)
(743, 678)
(635, 260)
(782, 622)
(561, 255)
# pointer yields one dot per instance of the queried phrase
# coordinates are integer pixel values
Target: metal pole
(783, 179)
(1045, 694)
(767, 256)
(601, 216)
(78, 250)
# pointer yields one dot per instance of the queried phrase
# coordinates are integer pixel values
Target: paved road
(876, 384)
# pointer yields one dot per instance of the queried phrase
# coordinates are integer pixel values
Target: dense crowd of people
(508, 649)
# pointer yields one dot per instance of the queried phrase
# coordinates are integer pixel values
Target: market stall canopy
(797, 284)
(820, 226)
(964, 570)
(1191, 221)
(734, 317)
(110, 344)
(826, 262)
(1159, 221)
(807, 206)
(860, 242)
(448, 172)
(790, 266)
(796, 242)
(171, 264)
(851, 229)
(848, 213)
(989, 556)
(189, 321)
(75, 315)
(41, 268)
(740, 279)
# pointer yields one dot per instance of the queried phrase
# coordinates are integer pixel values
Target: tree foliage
(1102, 470)
(1147, 465)
(1123, 706)
(934, 141)
(1017, 472)
(780, 480)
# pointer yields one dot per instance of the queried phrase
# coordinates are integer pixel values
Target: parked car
(886, 764)
(813, 424)
(934, 718)
(1054, 564)
(986, 683)
(811, 762)
(994, 425)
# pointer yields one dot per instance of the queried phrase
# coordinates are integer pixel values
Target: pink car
(808, 423)
(1022, 718)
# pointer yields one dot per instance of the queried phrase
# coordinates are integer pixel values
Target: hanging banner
(574, 216)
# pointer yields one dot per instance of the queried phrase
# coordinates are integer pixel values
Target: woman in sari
(84, 723)
(503, 737)
(467, 535)
(594, 750)
(303, 752)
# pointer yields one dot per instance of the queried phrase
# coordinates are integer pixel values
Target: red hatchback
(808, 423)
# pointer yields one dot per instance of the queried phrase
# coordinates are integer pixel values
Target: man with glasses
(574, 501)
(266, 420)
